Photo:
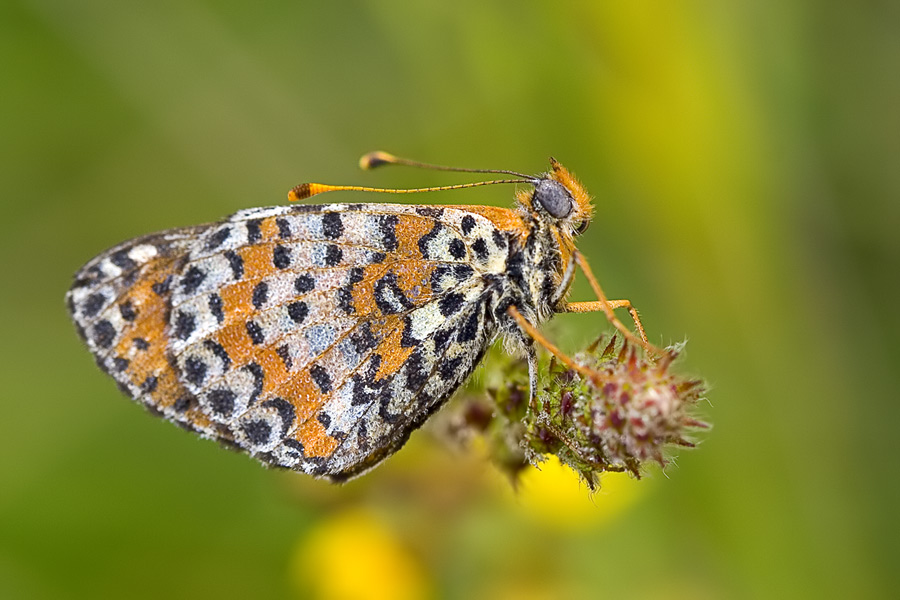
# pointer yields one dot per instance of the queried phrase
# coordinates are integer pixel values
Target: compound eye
(554, 198)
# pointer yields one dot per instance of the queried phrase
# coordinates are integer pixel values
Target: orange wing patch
(316, 442)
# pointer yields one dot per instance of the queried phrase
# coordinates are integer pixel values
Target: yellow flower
(555, 495)
(352, 555)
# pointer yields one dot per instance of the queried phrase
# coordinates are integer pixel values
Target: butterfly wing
(312, 337)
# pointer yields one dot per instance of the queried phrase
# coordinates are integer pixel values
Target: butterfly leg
(538, 337)
(566, 281)
(607, 306)
(598, 306)
(532, 377)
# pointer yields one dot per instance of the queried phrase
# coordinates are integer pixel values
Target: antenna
(305, 190)
(377, 159)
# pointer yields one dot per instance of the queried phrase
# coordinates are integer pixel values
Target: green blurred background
(744, 161)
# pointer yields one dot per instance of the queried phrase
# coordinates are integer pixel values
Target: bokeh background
(744, 160)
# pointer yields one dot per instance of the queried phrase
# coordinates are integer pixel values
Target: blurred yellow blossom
(352, 555)
(555, 495)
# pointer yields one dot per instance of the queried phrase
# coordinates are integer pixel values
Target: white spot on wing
(142, 253)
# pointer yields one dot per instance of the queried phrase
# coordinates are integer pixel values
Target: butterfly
(318, 337)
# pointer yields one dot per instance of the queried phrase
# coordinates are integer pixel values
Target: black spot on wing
(389, 298)
(93, 304)
(254, 233)
(469, 330)
(192, 279)
(281, 257)
(306, 208)
(128, 311)
(407, 340)
(81, 282)
(316, 466)
(161, 288)
(321, 378)
(462, 272)
(439, 277)
(416, 372)
(345, 292)
(345, 299)
(284, 353)
(332, 225)
(293, 445)
(284, 228)
(194, 370)
(218, 238)
(258, 379)
(441, 337)
(333, 255)
(219, 352)
(255, 332)
(216, 307)
(185, 324)
(298, 311)
(363, 339)
(236, 263)
(445, 277)
(467, 224)
(260, 294)
(365, 387)
(387, 226)
(122, 260)
(480, 248)
(221, 401)
(101, 364)
(449, 368)
(304, 283)
(257, 431)
(149, 384)
(451, 303)
(426, 239)
(285, 412)
(362, 436)
(384, 401)
(457, 249)
(430, 211)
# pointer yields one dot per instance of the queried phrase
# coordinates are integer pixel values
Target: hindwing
(314, 337)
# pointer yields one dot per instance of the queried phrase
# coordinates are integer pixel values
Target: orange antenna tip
(306, 190)
(376, 159)
(298, 193)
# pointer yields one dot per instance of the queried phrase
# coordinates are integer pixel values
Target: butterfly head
(560, 197)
